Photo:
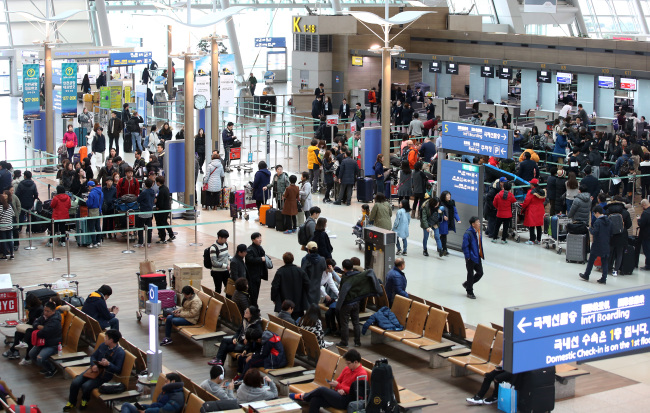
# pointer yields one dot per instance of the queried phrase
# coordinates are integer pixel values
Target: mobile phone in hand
(138, 406)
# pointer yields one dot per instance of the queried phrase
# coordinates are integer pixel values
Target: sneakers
(494, 241)
(491, 400)
(14, 356)
(446, 252)
(25, 362)
(91, 246)
(404, 254)
(48, 244)
(11, 257)
(614, 273)
(425, 253)
(62, 244)
(399, 252)
(342, 344)
(11, 354)
(97, 245)
(441, 253)
(529, 242)
(68, 407)
(295, 396)
(337, 202)
(162, 241)
(137, 246)
(84, 405)
(215, 362)
(22, 344)
(504, 241)
(173, 237)
(289, 231)
(328, 343)
(148, 245)
(166, 341)
(474, 400)
(51, 373)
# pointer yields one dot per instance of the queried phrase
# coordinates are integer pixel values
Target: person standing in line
(317, 111)
(145, 202)
(228, 139)
(256, 266)
(290, 198)
(305, 194)
(7, 216)
(473, 251)
(600, 231)
(503, 203)
(261, 182)
(115, 127)
(533, 210)
(328, 175)
(313, 164)
(27, 192)
(401, 226)
(163, 203)
(506, 118)
(280, 183)
(359, 117)
(94, 203)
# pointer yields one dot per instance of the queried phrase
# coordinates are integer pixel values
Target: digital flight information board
(477, 140)
(576, 329)
(463, 180)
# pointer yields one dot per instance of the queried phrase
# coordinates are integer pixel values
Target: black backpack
(207, 260)
(617, 227)
(382, 398)
(624, 170)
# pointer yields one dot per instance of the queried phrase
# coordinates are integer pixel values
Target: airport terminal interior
(542, 76)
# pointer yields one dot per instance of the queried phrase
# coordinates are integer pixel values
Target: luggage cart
(560, 234)
(143, 299)
(517, 223)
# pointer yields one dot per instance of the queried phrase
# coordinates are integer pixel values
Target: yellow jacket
(312, 157)
(191, 309)
(533, 155)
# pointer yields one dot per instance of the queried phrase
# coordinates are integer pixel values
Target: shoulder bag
(205, 185)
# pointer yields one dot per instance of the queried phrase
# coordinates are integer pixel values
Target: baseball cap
(91, 183)
(311, 245)
(534, 181)
(503, 179)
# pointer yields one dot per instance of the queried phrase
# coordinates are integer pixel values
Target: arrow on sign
(521, 325)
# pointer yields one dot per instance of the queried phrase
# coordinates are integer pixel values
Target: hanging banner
(127, 94)
(68, 90)
(141, 101)
(31, 92)
(116, 97)
(227, 86)
(105, 97)
(202, 87)
(203, 66)
(227, 64)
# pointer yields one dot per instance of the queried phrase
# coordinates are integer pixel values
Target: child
(401, 225)
(362, 222)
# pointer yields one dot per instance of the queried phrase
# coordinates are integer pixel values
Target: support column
(102, 21)
(495, 89)
(642, 101)
(214, 109)
(548, 94)
(49, 103)
(444, 84)
(476, 84)
(336, 6)
(385, 105)
(234, 43)
(189, 131)
(528, 90)
(605, 103)
(170, 67)
(586, 92)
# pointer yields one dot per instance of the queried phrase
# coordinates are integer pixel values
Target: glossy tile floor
(515, 274)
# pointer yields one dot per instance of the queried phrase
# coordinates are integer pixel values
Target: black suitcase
(159, 280)
(365, 189)
(271, 217)
(128, 144)
(536, 390)
(43, 294)
(279, 221)
(630, 260)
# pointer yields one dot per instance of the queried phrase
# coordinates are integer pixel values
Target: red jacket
(124, 187)
(533, 208)
(504, 206)
(60, 206)
(347, 378)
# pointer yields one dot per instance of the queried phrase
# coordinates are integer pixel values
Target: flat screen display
(606, 82)
(402, 64)
(487, 71)
(563, 78)
(452, 68)
(628, 84)
(434, 67)
(543, 76)
(505, 73)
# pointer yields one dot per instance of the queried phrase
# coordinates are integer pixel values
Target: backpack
(624, 170)
(405, 154)
(207, 260)
(617, 226)
(302, 234)
(615, 124)
(382, 398)
(507, 165)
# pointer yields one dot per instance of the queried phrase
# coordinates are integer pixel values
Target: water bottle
(60, 349)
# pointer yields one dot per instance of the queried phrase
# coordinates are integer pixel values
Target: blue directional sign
(577, 329)
(462, 180)
(130, 58)
(153, 293)
(476, 140)
(270, 42)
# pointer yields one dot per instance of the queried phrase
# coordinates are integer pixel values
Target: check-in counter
(486, 108)
(359, 95)
(542, 116)
(604, 125)
(439, 103)
(453, 109)
(514, 111)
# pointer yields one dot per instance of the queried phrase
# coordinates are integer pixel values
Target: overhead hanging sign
(462, 180)
(270, 42)
(227, 64)
(477, 140)
(130, 58)
(227, 89)
(576, 329)
(68, 90)
(31, 92)
(202, 87)
(540, 6)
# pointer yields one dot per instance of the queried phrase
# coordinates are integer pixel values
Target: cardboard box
(143, 296)
(88, 97)
(187, 274)
(96, 97)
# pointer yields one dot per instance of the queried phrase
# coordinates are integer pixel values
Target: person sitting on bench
(498, 376)
(187, 315)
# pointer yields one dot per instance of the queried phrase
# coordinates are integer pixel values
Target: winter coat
(450, 223)
(27, 193)
(51, 331)
(551, 188)
(644, 225)
(256, 263)
(243, 301)
(262, 179)
(246, 394)
(61, 206)
(124, 187)
(489, 210)
(146, 201)
(348, 171)
(280, 183)
(528, 170)
(559, 150)
(581, 208)
(114, 356)
(314, 265)
(395, 284)
(600, 231)
(560, 189)
(199, 144)
(170, 400)
(533, 207)
(313, 158)
(504, 206)
(384, 319)
(191, 309)
(405, 186)
(401, 224)
(291, 195)
(324, 245)
(614, 207)
(70, 137)
(290, 283)
(95, 306)
(380, 215)
(420, 181)
(429, 219)
(238, 268)
(95, 198)
(272, 351)
(592, 185)
(470, 245)
(328, 172)
(110, 195)
(355, 286)
(214, 178)
(99, 143)
(285, 316)
(305, 195)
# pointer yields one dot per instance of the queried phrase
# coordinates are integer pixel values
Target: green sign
(116, 97)
(105, 98)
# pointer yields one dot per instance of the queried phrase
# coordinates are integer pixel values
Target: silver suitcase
(576, 248)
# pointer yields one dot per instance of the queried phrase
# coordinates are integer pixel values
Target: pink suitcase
(167, 298)
(240, 197)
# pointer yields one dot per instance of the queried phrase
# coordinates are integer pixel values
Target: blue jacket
(385, 319)
(262, 179)
(146, 200)
(110, 195)
(470, 245)
(95, 198)
(170, 400)
(601, 231)
(271, 351)
(95, 306)
(450, 224)
(395, 284)
(619, 162)
(559, 150)
(379, 170)
(115, 357)
(227, 137)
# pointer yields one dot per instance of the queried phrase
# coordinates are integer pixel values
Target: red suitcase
(167, 298)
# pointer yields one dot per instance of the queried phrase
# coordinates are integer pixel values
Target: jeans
(506, 226)
(6, 247)
(220, 279)
(135, 140)
(497, 376)
(436, 234)
(474, 274)
(139, 222)
(161, 221)
(94, 226)
(381, 185)
(226, 159)
(345, 192)
(569, 202)
(604, 260)
(113, 323)
(398, 244)
(324, 397)
(42, 355)
(349, 311)
(86, 386)
(174, 321)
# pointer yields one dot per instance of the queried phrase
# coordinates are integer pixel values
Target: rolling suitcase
(365, 189)
(279, 221)
(271, 216)
(554, 228)
(82, 138)
(576, 248)
(128, 144)
(263, 211)
(82, 228)
(43, 294)
(629, 260)
(240, 199)
(83, 152)
(536, 390)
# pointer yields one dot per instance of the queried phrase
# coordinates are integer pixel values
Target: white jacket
(213, 179)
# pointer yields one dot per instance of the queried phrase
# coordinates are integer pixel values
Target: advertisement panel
(68, 90)
(227, 96)
(116, 97)
(202, 87)
(105, 97)
(31, 92)
(130, 58)
(227, 64)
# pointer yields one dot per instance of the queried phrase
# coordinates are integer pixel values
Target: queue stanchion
(49, 191)
(276, 152)
(128, 249)
(171, 218)
(53, 258)
(299, 168)
(67, 252)
(146, 243)
(196, 242)
(258, 140)
(234, 233)
(286, 147)
(29, 233)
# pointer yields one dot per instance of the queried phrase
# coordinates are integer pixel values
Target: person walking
(644, 233)
(620, 221)
(256, 266)
(401, 226)
(600, 231)
(503, 203)
(133, 126)
(70, 141)
(430, 224)
(473, 251)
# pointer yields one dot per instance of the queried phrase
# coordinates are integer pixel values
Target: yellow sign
(296, 24)
(307, 28)
(68, 71)
(31, 72)
(127, 94)
(357, 60)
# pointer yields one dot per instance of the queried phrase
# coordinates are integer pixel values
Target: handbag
(269, 263)
(37, 342)
(112, 388)
(89, 374)
(69, 144)
(507, 398)
(205, 185)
